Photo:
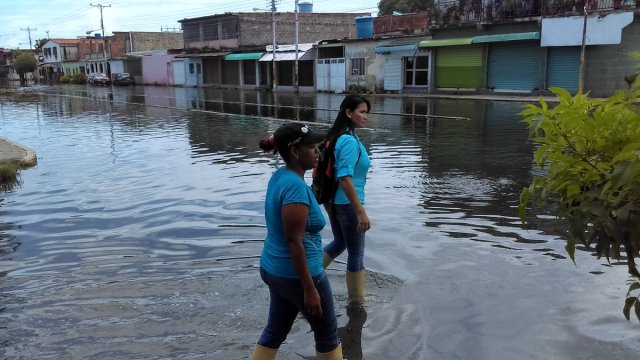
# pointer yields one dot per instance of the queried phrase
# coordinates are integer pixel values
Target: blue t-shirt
(287, 187)
(351, 160)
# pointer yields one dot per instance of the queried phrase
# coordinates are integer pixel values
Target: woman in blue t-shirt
(349, 220)
(291, 260)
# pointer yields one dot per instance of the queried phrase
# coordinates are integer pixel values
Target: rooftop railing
(477, 11)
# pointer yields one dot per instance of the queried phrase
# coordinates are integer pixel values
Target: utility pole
(584, 40)
(29, 30)
(295, 67)
(104, 40)
(274, 83)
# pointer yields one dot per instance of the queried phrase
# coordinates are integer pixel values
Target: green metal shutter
(564, 68)
(515, 66)
(459, 67)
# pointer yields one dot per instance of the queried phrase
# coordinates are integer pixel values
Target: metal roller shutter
(459, 67)
(515, 66)
(564, 68)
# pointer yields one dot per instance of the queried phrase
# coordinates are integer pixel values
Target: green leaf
(634, 286)
(628, 304)
(571, 250)
(637, 309)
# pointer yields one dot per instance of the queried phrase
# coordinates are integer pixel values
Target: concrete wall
(124, 42)
(156, 69)
(374, 65)
(256, 30)
(417, 23)
(607, 65)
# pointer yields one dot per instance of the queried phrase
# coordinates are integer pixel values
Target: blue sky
(72, 18)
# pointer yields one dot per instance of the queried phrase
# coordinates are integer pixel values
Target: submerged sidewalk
(12, 153)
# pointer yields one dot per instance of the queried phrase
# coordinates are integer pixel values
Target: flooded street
(138, 233)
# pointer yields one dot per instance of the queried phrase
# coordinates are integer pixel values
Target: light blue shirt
(351, 160)
(287, 187)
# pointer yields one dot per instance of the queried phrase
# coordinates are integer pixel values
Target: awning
(202, 55)
(386, 49)
(288, 56)
(506, 37)
(445, 42)
(244, 56)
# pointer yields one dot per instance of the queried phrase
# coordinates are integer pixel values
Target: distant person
(291, 260)
(349, 220)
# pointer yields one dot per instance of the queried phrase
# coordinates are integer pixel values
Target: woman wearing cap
(291, 260)
(349, 220)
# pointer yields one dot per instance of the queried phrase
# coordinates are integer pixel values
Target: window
(357, 66)
(55, 53)
(416, 71)
(191, 32)
(199, 68)
(191, 67)
(210, 31)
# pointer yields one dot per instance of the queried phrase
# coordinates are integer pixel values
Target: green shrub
(65, 79)
(590, 152)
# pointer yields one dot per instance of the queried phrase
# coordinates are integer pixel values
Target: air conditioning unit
(355, 71)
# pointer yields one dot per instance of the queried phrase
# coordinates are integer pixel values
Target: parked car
(123, 79)
(98, 78)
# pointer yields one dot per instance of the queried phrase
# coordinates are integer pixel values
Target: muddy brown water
(137, 235)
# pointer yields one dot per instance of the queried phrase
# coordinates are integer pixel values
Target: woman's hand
(363, 220)
(312, 302)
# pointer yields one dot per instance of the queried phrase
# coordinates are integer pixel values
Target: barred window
(210, 31)
(191, 32)
(357, 66)
(229, 29)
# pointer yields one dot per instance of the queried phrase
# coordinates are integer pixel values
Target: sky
(73, 18)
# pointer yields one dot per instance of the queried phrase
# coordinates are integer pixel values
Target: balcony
(484, 11)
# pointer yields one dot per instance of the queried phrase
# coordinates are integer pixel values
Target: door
(459, 67)
(515, 66)
(564, 68)
(179, 77)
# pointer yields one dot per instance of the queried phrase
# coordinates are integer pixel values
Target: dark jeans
(344, 225)
(287, 299)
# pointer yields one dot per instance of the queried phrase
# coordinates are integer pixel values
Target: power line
(104, 43)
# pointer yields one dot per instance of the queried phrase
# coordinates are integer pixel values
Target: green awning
(244, 56)
(535, 35)
(445, 42)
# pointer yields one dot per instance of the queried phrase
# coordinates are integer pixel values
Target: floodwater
(137, 235)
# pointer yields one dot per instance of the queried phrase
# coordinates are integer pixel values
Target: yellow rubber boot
(263, 353)
(335, 354)
(326, 260)
(355, 288)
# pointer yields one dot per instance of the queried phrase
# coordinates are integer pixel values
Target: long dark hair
(343, 122)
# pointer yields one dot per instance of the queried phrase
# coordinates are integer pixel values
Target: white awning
(288, 56)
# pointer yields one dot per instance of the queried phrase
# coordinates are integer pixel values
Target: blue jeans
(287, 299)
(344, 225)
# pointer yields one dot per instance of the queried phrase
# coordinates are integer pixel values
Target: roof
(73, 41)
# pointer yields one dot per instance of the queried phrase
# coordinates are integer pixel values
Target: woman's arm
(294, 219)
(349, 189)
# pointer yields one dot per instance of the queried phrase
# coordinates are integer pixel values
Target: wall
(155, 70)
(256, 30)
(374, 65)
(120, 42)
(607, 65)
(417, 23)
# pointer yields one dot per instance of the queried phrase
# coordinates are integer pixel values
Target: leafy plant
(590, 152)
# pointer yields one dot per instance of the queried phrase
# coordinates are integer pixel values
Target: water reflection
(155, 194)
(351, 334)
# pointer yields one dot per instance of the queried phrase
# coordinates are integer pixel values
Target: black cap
(295, 133)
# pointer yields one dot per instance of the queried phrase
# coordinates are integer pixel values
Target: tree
(387, 7)
(590, 151)
(40, 43)
(23, 63)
